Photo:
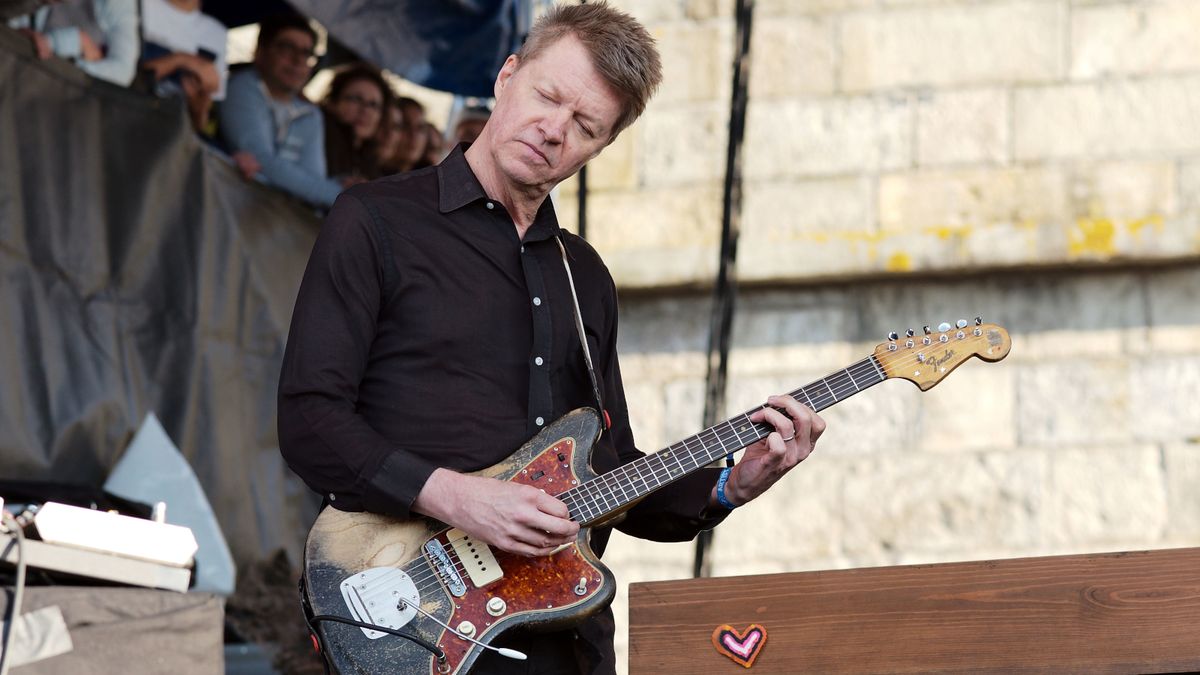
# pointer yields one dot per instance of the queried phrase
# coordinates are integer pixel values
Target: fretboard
(596, 499)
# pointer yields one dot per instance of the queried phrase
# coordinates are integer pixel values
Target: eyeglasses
(362, 102)
(295, 51)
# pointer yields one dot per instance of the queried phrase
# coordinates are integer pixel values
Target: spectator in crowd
(183, 49)
(470, 123)
(392, 138)
(265, 115)
(100, 36)
(353, 111)
(434, 146)
(415, 138)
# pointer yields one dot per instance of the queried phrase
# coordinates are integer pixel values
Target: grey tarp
(139, 272)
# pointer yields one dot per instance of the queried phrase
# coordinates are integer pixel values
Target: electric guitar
(419, 597)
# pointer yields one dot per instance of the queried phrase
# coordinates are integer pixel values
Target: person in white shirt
(184, 50)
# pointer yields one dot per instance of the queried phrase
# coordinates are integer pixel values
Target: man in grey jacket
(265, 116)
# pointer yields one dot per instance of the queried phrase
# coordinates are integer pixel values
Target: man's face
(286, 63)
(553, 113)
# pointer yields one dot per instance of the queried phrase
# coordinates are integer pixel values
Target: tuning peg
(910, 332)
(892, 336)
(926, 329)
(978, 321)
(943, 327)
(962, 323)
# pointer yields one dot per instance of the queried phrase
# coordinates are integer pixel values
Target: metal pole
(725, 294)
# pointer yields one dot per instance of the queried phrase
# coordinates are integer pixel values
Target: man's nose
(554, 125)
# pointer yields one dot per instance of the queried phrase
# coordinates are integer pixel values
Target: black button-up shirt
(427, 334)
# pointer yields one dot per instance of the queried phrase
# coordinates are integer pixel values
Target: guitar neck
(595, 500)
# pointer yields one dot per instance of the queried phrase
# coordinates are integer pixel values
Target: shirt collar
(458, 186)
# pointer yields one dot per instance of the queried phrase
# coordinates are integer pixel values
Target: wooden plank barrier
(1135, 612)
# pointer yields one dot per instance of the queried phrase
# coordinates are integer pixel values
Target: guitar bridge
(476, 557)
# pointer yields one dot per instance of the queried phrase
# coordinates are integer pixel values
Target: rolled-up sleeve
(322, 436)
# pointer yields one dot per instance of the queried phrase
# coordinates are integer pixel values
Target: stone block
(1173, 313)
(658, 237)
(683, 144)
(1124, 193)
(1164, 397)
(1111, 496)
(1189, 186)
(647, 412)
(795, 521)
(915, 503)
(985, 43)
(1075, 402)
(1183, 499)
(1134, 38)
(651, 12)
(827, 137)
(806, 213)
(684, 409)
(791, 57)
(697, 58)
(953, 203)
(968, 126)
(1107, 119)
(974, 408)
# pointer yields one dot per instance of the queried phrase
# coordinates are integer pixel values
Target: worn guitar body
(361, 564)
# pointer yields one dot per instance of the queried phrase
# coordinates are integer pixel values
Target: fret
(825, 381)
(875, 364)
(803, 390)
(851, 376)
(818, 404)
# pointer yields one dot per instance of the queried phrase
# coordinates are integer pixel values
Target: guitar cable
(433, 649)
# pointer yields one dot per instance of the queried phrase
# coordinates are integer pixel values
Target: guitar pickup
(476, 557)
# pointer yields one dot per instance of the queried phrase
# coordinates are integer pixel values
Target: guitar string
(869, 366)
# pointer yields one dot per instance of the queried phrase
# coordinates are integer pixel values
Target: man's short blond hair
(621, 50)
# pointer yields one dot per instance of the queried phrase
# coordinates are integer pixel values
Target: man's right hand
(88, 48)
(515, 518)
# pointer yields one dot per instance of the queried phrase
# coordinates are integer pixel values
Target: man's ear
(506, 72)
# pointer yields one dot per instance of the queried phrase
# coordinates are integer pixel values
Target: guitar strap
(587, 354)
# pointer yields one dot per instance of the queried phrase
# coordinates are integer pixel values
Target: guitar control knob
(943, 327)
(961, 323)
(466, 628)
(496, 606)
(581, 589)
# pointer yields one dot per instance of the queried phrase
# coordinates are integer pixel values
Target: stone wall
(1036, 162)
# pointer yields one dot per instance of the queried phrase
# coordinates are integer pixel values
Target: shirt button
(539, 421)
(537, 302)
(538, 360)
(491, 205)
(332, 497)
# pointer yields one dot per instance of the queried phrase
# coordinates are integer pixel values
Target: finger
(802, 416)
(783, 424)
(551, 505)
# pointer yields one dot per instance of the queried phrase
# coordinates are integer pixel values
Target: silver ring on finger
(785, 440)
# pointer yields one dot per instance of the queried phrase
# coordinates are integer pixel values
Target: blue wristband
(721, 498)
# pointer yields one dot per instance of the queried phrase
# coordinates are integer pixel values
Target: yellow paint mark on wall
(1155, 221)
(1092, 236)
(899, 262)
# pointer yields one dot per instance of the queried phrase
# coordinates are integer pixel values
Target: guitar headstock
(925, 359)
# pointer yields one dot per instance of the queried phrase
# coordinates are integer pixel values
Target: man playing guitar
(435, 331)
